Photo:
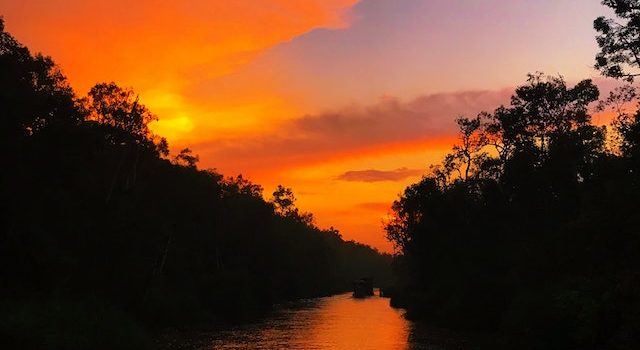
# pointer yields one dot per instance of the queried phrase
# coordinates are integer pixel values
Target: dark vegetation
(530, 229)
(106, 237)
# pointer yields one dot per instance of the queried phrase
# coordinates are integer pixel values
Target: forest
(527, 234)
(529, 229)
(106, 237)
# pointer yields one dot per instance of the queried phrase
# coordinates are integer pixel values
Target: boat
(363, 288)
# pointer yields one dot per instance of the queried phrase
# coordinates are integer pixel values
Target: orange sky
(345, 101)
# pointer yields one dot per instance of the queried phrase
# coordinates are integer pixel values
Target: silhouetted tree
(241, 186)
(284, 205)
(619, 40)
(284, 201)
(34, 94)
(186, 158)
(109, 104)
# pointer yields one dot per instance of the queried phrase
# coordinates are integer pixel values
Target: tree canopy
(619, 40)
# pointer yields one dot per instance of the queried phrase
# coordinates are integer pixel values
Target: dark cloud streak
(373, 175)
(353, 129)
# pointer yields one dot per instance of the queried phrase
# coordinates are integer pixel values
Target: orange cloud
(145, 42)
(388, 124)
(375, 206)
(162, 47)
(373, 175)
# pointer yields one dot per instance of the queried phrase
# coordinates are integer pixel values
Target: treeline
(529, 229)
(104, 235)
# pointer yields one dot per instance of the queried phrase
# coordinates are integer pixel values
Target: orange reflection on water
(347, 323)
(337, 322)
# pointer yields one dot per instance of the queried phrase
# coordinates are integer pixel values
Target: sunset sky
(345, 101)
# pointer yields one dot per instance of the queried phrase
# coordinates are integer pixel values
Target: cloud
(387, 126)
(146, 42)
(411, 46)
(163, 48)
(375, 206)
(390, 123)
(373, 175)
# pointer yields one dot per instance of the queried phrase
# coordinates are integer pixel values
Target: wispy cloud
(372, 175)
(375, 206)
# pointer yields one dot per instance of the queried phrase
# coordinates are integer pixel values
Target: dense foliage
(532, 230)
(103, 234)
(618, 40)
(530, 227)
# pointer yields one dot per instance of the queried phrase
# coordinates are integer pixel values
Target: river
(336, 322)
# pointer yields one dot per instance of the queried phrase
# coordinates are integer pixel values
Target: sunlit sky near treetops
(345, 101)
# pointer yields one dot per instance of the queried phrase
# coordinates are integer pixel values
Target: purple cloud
(353, 129)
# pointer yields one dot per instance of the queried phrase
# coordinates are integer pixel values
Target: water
(337, 322)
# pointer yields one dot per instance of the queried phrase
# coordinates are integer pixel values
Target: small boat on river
(363, 288)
